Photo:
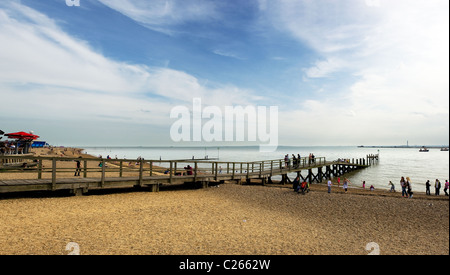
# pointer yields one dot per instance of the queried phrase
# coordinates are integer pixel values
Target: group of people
(7, 148)
(437, 187)
(300, 187)
(304, 186)
(407, 187)
(296, 160)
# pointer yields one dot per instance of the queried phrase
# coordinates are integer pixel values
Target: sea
(393, 163)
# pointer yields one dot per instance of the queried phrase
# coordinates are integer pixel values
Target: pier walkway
(58, 173)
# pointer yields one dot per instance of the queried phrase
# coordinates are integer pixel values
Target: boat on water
(424, 149)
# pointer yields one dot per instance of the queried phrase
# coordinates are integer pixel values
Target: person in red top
(189, 170)
(446, 187)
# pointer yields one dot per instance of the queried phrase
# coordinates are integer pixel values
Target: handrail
(171, 169)
(150, 167)
(111, 172)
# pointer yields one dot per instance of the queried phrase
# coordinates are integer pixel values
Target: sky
(109, 72)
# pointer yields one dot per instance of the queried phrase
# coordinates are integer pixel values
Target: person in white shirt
(329, 186)
(437, 186)
(345, 186)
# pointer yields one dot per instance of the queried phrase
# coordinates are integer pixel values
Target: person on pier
(189, 170)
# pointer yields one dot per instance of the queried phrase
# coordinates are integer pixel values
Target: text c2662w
(226, 265)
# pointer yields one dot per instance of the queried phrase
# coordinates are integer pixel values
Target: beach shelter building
(23, 140)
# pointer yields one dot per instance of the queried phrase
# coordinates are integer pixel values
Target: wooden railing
(59, 167)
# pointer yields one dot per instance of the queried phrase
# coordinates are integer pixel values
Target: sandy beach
(226, 220)
(229, 219)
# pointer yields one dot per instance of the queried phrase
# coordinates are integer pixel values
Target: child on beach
(364, 184)
(372, 188)
(345, 185)
(392, 187)
(329, 186)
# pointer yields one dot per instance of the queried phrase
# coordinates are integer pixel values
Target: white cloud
(394, 52)
(35, 50)
(325, 68)
(228, 54)
(162, 15)
(326, 26)
(56, 76)
(182, 87)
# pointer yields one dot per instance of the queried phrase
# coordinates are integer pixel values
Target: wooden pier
(61, 173)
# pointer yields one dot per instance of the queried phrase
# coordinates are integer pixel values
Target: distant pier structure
(407, 146)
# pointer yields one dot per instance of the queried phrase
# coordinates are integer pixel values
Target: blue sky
(341, 72)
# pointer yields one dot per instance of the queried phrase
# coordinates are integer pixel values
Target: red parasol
(22, 136)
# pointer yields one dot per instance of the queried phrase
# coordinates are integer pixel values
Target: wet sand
(226, 220)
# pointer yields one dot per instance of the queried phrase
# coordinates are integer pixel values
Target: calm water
(393, 164)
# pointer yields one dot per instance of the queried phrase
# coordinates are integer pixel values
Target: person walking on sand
(446, 187)
(329, 186)
(339, 181)
(437, 186)
(392, 187)
(364, 184)
(428, 185)
(345, 185)
(409, 187)
(403, 185)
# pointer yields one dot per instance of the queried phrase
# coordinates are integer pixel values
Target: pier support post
(328, 172)
(320, 175)
(264, 181)
(154, 188)
(79, 192)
